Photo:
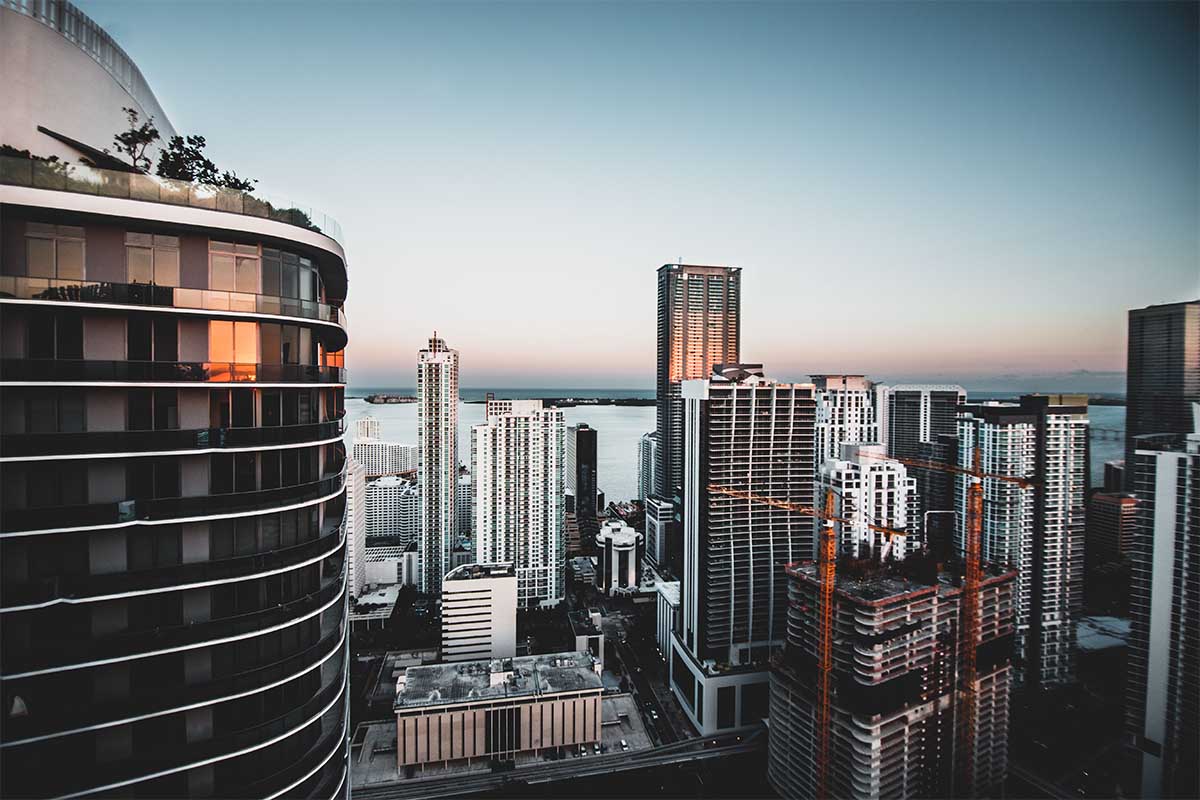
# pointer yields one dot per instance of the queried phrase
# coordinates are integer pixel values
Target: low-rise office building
(495, 709)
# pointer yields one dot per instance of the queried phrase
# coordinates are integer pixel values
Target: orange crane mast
(970, 625)
(826, 575)
(968, 639)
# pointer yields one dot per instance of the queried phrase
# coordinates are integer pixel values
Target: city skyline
(901, 160)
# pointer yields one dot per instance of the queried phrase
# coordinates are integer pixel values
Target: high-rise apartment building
(848, 412)
(356, 526)
(385, 458)
(393, 509)
(871, 489)
(1111, 519)
(479, 612)
(647, 461)
(1162, 702)
(172, 555)
(366, 428)
(894, 687)
(699, 326)
(1163, 372)
(519, 501)
(917, 413)
(935, 493)
(746, 433)
(1038, 529)
(437, 470)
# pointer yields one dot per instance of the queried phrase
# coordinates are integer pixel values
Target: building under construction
(895, 681)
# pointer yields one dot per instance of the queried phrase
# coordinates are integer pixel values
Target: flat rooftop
(474, 571)
(497, 679)
(880, 583)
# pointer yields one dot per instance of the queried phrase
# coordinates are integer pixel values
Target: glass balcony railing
(148, 294)
(22, 445)
(81, 179)
(165, 508)
(68, 370)
(14, 593)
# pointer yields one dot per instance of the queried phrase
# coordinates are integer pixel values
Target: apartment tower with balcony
(1039, 528)
(743, 433)
(173, 588)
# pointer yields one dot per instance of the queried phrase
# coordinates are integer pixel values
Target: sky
(941, 191)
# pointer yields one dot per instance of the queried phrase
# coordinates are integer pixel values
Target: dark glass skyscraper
(1163, 371)
(699, 326)
(585, 477)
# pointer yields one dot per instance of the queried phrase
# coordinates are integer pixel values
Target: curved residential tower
(172, 534)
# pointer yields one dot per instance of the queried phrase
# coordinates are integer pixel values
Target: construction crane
(970, 623)
(826, 578)
(969, 627)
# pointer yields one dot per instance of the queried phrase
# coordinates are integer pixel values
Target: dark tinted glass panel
(218, 408)
(221, 473)
(140, 345)
(41, 413)
(291, 344)
(166, 339)
(166, 477)
(271, 343)
(139, 404)
(70, 335)
(72, 413)
(291, 279)
(243, 408)
(270, 469)
(270, 273)
(271, 410)
(166, 409)
(41, 334)
(245, 478)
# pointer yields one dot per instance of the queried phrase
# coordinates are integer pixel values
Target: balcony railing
(149, 294)
(63, 651)
(21, 445)
(51, 517)
(79, 370)
(81, 179)
(74, 587)
(60, 713)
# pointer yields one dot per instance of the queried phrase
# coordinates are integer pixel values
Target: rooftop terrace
(497, 679)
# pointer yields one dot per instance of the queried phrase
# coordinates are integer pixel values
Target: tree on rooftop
(136, 139)
(183, 159)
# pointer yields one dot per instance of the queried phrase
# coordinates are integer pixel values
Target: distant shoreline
(572, 402)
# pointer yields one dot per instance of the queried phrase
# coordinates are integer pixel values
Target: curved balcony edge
(164, 510)
(189, 441)
(54, 371)
(181, 648)
(337, 648)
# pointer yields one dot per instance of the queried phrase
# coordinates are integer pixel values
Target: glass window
(245, 339)
(139, 407)
(243, 408)
(270, 273)
(139, 342)
(291, 280)
(247, 275)
(291, 344)
(70, 259)
(166, 266)
(139, 264)
(39, 257)
(72, 413)
(166, 409)
(222, 247)
(40, 416)
(166, 339)
(222, 269)
(306, 281)
(271, 342)
(70, 335)
(220, 341)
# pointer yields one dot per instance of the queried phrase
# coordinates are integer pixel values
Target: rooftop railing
(82, 179)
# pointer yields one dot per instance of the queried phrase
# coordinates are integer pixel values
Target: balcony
(47, 653)
(25, 445)
(154, 296)
(73, 587)
(81, 179)
(168, 508)
(51, 370)
(62, 713)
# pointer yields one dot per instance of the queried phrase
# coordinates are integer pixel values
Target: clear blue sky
(920, 190)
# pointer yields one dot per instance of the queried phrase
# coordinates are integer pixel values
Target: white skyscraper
(1039, 529)
(871, 489)
(385, 458)
(848, 412)
(647, 461)
(356, 526)
(1161, 713)
(437, 471)
(517, 469)
(366, 428)
(393, 509)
